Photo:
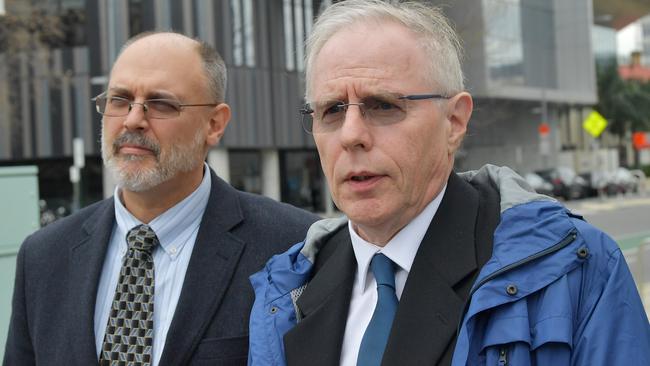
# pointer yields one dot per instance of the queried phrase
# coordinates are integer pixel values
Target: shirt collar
(175, 224)
(402, 248)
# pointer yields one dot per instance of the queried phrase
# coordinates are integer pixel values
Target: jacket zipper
(503, 356)
(556, 247)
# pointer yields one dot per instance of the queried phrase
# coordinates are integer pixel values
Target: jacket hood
(512, 188)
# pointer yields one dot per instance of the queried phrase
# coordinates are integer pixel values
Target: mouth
(134, 151)
(361, 178)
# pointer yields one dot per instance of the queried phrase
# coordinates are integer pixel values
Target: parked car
(566, 183)
(539, 184)
(610, 183)
(600, 182)
(626, 181)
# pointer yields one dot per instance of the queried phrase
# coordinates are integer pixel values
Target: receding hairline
(209, 59)
(369, 22)
(162, 36)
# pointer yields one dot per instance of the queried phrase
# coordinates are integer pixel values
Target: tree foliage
(624, 103)
(24, 31)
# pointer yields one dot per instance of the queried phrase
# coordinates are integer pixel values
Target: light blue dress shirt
(176, 229)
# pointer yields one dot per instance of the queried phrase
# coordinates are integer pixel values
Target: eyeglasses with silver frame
(116, 106)
(377, 110)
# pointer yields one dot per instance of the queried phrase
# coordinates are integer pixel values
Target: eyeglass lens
(377, 110)
(154, 108)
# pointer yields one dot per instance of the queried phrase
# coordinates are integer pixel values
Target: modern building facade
(527, 62)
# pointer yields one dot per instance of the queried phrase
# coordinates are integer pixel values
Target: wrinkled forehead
(369, 58)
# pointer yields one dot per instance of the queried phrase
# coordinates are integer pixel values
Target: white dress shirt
(401, 249)
(176, 230)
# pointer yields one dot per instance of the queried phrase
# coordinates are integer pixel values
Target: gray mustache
(136, 138)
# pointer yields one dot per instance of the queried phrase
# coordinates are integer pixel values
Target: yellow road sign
(594, 124)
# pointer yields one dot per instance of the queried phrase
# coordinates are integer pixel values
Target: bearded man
(157, 274)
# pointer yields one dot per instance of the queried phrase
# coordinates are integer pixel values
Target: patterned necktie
(375, 338)
(129, 333)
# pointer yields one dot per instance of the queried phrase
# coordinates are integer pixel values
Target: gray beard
(177, 159)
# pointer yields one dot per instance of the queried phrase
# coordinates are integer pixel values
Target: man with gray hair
(430, 267)
(157, 274)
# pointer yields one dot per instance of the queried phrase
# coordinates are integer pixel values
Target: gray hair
(213, 64)
(439, 40)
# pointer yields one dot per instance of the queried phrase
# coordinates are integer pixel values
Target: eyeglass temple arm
(306, 110)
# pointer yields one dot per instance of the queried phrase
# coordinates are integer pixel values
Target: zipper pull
(503, 356)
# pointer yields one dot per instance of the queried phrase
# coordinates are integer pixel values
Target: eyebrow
(367, 93)
(156, 94)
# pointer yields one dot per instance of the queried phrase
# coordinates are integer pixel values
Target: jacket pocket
(222, 351)
(522, 341)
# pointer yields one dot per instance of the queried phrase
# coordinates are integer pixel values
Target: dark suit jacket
(58, 270)
(457, 243)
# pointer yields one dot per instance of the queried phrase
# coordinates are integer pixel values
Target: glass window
(303, 184)
(298, 19)
(237, 38)
(246, 170)
(503, 41)
(288, 35)
(136, 11)
(243, 41)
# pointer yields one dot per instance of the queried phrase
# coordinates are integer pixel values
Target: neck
(149, 204)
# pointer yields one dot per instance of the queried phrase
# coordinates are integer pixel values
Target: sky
(629, 39)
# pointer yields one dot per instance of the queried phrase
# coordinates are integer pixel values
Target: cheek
(110, 131)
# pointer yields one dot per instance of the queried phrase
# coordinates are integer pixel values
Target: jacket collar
(434, 291)
(86, 262)
(212, 265)
(323, 306)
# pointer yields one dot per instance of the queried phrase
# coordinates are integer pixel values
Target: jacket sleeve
(613, 328)
(19, 349)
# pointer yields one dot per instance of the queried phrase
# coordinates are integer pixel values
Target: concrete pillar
(218, 160)
(271, 174)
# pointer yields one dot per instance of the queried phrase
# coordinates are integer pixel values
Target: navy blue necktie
(375, 338)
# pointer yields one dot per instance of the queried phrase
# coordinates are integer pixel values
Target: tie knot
(142, 238)
(383, 269)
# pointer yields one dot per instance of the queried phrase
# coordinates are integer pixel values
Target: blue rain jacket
(556, 291)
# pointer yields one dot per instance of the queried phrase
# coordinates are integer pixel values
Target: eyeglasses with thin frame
(115, 106)
(377, 110)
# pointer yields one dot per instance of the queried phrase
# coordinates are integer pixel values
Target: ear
(218, 123)
(459, 111)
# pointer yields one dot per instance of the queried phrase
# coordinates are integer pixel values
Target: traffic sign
(544, 129)
(594, 124)
(641, 140)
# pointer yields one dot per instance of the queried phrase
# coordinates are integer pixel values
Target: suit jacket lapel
(86, 262)
(212, 264)
(431, 306)
(317, 338)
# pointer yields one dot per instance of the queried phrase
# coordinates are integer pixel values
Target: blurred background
(561, 87)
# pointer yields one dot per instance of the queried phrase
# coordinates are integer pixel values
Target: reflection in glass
(246, 170)
(243, 40)
(503, 41)
(302, 182)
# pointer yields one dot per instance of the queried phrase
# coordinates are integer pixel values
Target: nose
(354, 133)
(136, 119)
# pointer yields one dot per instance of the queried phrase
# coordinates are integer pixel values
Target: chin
(365, 213)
